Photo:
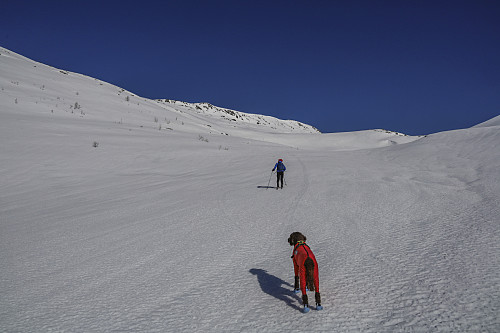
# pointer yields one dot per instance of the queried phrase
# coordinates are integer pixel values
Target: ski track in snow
(160, 231)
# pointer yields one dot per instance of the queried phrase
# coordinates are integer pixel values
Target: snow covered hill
(31, 88)
(60, 91)
(239, 117)
(492, 122)
(119, 213)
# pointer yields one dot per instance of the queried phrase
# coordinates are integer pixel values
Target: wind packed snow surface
(123, 214)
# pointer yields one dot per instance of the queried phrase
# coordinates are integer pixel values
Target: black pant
(279, 176)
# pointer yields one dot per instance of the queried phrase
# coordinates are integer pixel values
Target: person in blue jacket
(280, 170)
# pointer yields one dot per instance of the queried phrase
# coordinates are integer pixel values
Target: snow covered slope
(58, 91)
(119, 213)
(31, 88)
(276, 125)
(492, 122)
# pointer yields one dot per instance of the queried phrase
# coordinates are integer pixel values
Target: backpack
(280, 167)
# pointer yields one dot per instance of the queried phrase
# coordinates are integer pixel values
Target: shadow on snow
(273, 286)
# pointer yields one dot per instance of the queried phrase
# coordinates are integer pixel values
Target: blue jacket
(280, 167)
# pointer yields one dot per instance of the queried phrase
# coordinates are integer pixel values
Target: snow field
(156, 230)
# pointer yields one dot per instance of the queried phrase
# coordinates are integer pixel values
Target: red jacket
(301, 252)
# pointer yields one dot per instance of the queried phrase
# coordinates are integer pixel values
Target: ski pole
(284, 179)
(269, 182)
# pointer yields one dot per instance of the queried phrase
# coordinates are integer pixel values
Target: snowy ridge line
(238, 116)
(56, 83)
(15, 56)
(491, 122)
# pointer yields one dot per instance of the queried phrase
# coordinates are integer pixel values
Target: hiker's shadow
(273, 286)
(266, 187)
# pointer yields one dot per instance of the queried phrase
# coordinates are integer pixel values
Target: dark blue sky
(417, 67)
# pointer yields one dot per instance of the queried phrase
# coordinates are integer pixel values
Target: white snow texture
(124, 214)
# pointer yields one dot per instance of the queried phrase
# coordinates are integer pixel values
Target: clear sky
(416, 67)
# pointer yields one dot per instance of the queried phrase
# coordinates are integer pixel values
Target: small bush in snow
(201, 138)
(95, 144)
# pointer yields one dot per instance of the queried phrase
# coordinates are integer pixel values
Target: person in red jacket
(305, 268)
